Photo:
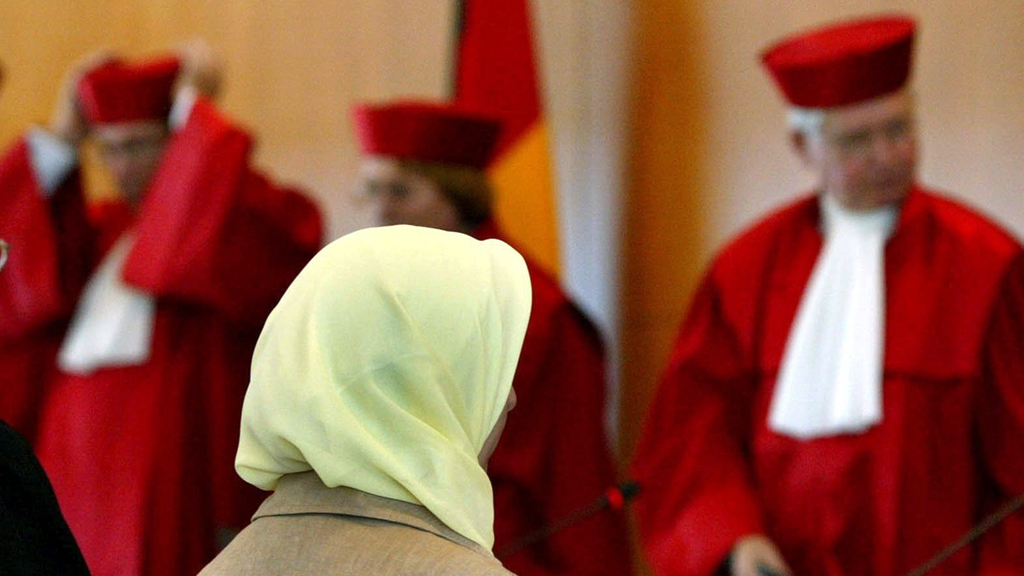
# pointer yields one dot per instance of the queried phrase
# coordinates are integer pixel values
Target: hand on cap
(66, 120)
(201, 68)
(754, 550)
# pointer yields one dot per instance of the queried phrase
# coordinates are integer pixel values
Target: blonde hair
(808, 121)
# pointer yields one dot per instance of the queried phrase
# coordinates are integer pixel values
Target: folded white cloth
(830, 380)
(113, 323)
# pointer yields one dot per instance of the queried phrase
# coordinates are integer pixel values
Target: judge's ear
(800, 142)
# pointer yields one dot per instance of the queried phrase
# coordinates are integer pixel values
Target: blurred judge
(425, 165)
(134, 319)
(846, 396)
(380, 386)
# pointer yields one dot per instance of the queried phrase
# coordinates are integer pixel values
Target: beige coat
(307, 528)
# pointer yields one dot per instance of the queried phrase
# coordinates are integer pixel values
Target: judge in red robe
(846, 394)
(137, 318)
(425, 165)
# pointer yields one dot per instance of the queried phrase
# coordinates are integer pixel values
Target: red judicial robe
(141, 457)
(553, 456)
(40, 283)
(950, 444)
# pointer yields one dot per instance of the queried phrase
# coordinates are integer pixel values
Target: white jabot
(181, 109)
(830, 380)
(113, 324)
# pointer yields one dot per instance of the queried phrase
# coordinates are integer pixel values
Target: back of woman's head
(385, 367)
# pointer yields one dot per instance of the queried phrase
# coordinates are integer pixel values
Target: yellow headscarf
(385, 367)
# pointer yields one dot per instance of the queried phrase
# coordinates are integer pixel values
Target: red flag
(496, 72)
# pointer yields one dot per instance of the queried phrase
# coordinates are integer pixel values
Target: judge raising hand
(67, 121)
(202, 68)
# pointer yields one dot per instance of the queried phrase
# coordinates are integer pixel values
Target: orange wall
(664, 242)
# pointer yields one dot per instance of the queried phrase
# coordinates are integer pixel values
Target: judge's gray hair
(807, 121)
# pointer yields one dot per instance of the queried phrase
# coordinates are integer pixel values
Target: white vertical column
(584, 58)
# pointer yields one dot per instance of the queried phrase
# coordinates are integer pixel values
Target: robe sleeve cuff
(184, 101)
(52, 159)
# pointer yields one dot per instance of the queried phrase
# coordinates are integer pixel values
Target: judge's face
(865, 155)
(131, 152)
(395, 195)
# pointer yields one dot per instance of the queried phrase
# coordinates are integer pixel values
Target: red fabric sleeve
(51, 255)
(697, 498)
(51, 247)
(1001, 424)
(214, 232)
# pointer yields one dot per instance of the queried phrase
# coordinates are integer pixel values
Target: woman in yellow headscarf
(379, 387)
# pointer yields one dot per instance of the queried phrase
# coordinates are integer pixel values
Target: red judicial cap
(427, 131)
(843, 63)
(119, 92)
